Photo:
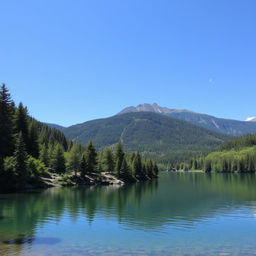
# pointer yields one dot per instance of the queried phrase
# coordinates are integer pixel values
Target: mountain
(56, 126)
(251, 119)
(153, 134)
(221, 125)
(152, 108)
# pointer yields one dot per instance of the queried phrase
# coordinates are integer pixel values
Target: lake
(178, 214)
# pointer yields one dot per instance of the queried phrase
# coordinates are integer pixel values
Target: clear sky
(74, 60)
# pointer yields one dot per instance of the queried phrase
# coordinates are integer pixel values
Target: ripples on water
(180, 214)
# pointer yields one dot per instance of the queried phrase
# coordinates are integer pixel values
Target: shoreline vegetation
(235, 156)
(33, 155)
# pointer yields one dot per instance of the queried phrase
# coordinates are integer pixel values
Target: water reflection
(176, 201)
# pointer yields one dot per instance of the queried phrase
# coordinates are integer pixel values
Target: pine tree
(137, 166)
(125, 171)
(119, 157)
(58, 159)
(108, 160)
(144, 171)
(44, 154)
(84, 166)
(155, 170)
(150, 169)
(20, 156)
(91, 157)
(33, 145)
(100, 161)
(21, 123)
(6, 123)
(74, 159)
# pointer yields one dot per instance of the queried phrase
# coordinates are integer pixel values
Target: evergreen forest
(30, 151)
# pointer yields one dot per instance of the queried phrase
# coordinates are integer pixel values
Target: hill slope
(154, 134)
(227, 126)
(238, 155)
(55, 126)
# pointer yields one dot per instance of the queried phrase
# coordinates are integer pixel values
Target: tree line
(29, 148)
(237, 155)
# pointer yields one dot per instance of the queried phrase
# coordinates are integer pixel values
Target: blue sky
(74, 60)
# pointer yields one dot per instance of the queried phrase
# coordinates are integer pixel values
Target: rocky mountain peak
(151, 108)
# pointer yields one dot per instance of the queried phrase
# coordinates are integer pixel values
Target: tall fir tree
(91, 157)
(125, 171)
(108, 160)
(74, 159)
(7, 142)
(33, 144)
(119, 157)
(58, 160)
(22, 124)
(84, 166)
(137, 166)
(20, 158)
(44, 154)
(155, 169)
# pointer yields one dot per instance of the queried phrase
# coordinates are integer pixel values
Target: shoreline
(53, 179)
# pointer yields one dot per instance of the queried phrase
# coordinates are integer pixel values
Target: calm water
(180, 214)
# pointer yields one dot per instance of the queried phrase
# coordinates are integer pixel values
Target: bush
(35, 167)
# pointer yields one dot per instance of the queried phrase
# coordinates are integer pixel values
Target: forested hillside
(164, 138)
(220, 125)
(30, 149)
(237, 155)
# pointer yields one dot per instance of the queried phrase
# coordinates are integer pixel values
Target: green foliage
(74, 159)
(91, 157)
(137, 166)
(220, 125)
(21, 124)
(33, 144)
(6, 123)
(9, 168)
(29, 147)
(35, 167)
(44, 154)
(240, 142)
(119, 158)
(237, 155)
(20, 159)
(58, 160)
(108, 163)
(84, 166)
(159, 137)
(243, 160)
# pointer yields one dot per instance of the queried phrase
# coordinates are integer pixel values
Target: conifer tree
(137, 166)
(44, 155)
(91, 157)
(6, 123)
(74, 159)
(155, 170)
(100, 161)
(108, 160)
(119, 156)
(20, 156)
(58, 159)
(125, 171)
(21, 123)
(84, 166)
(33, 145)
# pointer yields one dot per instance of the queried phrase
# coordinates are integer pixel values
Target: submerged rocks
(23, 239)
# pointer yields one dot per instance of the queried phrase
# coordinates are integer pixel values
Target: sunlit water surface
(178, 214)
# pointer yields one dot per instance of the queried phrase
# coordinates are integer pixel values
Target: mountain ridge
(221, 125)
(146, 107)
(153, 134)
